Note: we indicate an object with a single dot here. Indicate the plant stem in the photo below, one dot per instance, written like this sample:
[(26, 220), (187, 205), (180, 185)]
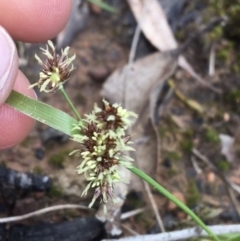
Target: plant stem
[(103, 5), (63, 92), (168, 195)]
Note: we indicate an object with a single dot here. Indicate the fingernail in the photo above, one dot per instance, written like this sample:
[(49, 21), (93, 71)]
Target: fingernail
[(7, 52)]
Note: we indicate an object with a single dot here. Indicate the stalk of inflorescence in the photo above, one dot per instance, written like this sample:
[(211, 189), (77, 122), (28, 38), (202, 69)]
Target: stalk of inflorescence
[(65, 95), (55, 72), (169, 196)]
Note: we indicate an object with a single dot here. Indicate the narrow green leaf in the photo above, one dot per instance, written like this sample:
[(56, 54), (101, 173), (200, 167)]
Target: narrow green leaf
[(169, 196), (230, 237), (42, 112), (236, 237), (104, 6)]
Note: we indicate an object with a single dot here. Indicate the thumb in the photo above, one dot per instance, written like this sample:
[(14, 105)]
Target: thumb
[(8, 64)]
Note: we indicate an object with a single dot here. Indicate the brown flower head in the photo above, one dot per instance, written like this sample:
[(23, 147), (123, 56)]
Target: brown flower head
[(56, 68), (103, 142)]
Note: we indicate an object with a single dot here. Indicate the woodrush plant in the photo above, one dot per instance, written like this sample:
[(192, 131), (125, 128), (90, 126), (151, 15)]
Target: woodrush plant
[(102, 134)]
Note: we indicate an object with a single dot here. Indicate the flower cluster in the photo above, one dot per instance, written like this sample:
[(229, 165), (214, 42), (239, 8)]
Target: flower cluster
[(56, 68), (103, 140), (102, 134)]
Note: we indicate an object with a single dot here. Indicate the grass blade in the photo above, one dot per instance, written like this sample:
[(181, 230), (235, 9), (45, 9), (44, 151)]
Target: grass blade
[(42, 112)]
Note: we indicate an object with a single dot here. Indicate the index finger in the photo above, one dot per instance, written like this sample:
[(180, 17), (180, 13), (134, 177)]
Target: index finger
[(34, 21)]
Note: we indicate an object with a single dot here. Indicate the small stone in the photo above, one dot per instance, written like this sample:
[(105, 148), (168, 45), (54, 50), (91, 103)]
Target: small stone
[(210, 176), (169, 221), (229, 215), (226, 117), (99, 73), (39, 153), (50, 134), (172, 206), (167, 163)]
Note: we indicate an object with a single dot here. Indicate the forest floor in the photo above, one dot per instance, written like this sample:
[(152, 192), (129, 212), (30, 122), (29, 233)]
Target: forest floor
[(199, 129)]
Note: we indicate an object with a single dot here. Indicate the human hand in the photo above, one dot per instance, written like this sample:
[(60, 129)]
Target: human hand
[(29, 21)]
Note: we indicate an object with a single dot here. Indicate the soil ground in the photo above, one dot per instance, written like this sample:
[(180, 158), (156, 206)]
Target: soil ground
[(101, 48)]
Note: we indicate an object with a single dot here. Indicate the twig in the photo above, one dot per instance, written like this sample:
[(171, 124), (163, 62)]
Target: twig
[(182, 63), (131, 58), (189, 102), (196, 166), (234, 187), (129, 230), (128, 215), (134, 43), (42, 211), (132, 213), (59, 207), (211, 69), (154, 206), (183, 234)]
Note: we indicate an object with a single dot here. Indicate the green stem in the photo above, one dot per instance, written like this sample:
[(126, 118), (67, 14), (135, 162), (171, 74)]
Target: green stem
[(63, 92), (168, 195), (103, 5)]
